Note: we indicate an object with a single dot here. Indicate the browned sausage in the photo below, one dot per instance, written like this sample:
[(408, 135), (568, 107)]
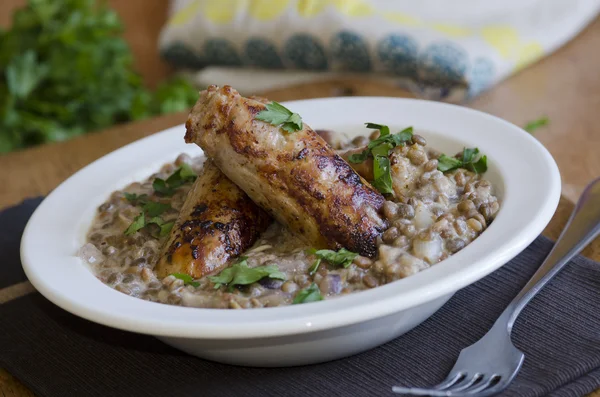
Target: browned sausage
[(217, 222), (296, 177)]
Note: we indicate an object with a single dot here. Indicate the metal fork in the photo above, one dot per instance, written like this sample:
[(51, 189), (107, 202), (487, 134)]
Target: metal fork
[(489, 365)]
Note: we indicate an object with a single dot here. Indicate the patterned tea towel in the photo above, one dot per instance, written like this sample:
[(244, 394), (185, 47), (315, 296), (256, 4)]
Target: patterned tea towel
[(439, 49)]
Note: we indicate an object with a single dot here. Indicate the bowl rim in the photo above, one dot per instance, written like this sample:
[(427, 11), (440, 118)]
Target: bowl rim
[(49, 242)]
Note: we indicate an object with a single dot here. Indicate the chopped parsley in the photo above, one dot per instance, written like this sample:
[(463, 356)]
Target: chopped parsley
[(136, 199), (469, 160), (379, 149), (278, 115), (181, 176), (241, 274), (535, 124), (141, 221), (138, 223), (187, 279), (309, 294), (151, 211), (343, 257), (315, 266)]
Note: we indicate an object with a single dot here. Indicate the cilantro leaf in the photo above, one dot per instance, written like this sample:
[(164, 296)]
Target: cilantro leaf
[(343, 257), (241, 274), (315, 266), (138, 223), (187, 279), (468, 161), (535, 124), (310, 294), (382, 175), (278, 115)]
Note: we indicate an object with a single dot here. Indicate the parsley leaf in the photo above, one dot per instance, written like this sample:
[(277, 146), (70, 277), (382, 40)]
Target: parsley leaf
[(278, 115), (447, 163), (241, 274), (151, 211), (136, 199), (359, 157), (535, 124), (397, 139), (154, 208), (66, 70), (380, 149), (383, 129), (315, 266), (468, 161), (310, 294), (187, 279), (181, 176), (343, 257), (382, 174), (138, 223), (164, 227)]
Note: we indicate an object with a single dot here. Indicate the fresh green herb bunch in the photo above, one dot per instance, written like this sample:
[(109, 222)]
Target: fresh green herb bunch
[(65, 70)]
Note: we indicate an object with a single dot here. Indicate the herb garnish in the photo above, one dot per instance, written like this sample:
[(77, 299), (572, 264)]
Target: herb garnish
[(535, 124), (278, 115), (310, 294), (343, 257), (151, 211), (380, 149), (136, 199), (469, 161), (181, 176), (140, 221), (241, 274), (187, 279)]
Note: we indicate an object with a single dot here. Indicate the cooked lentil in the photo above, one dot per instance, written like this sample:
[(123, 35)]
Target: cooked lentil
[(431, 215)]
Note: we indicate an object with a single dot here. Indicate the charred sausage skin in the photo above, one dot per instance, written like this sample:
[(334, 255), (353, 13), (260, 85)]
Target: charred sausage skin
[(217, 222), (296, 177)]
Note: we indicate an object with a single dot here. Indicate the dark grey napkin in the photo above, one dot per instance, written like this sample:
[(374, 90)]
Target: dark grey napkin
[(57, 354)]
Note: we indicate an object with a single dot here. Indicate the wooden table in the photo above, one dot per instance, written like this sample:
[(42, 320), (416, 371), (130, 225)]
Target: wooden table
[(565, 87)]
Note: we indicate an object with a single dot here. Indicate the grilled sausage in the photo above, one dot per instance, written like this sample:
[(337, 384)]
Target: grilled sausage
[(217, 222), (365, 168), (296, 176)]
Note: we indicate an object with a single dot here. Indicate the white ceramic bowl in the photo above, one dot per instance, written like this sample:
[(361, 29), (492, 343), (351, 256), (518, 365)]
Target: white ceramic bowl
[(524, 174)]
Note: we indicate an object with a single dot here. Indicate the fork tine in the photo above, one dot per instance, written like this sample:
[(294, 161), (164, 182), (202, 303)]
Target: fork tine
[(465, 383), (483, 384), (451, 379), (414, 391)]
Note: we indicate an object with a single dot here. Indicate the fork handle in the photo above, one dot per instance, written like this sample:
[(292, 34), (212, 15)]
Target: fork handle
[(583, 226)]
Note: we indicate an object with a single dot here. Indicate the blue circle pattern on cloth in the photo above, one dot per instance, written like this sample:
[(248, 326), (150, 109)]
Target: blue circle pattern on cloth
[(262, 53), (399, 54), (221, 52), (304, 52), (181, 55), (482, 75), (443, 64), (350, 52)]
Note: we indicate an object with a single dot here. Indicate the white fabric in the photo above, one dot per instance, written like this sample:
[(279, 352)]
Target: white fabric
[(445, 49)]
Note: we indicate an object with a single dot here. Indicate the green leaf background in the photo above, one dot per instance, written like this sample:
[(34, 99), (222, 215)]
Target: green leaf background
[(65, 70)]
